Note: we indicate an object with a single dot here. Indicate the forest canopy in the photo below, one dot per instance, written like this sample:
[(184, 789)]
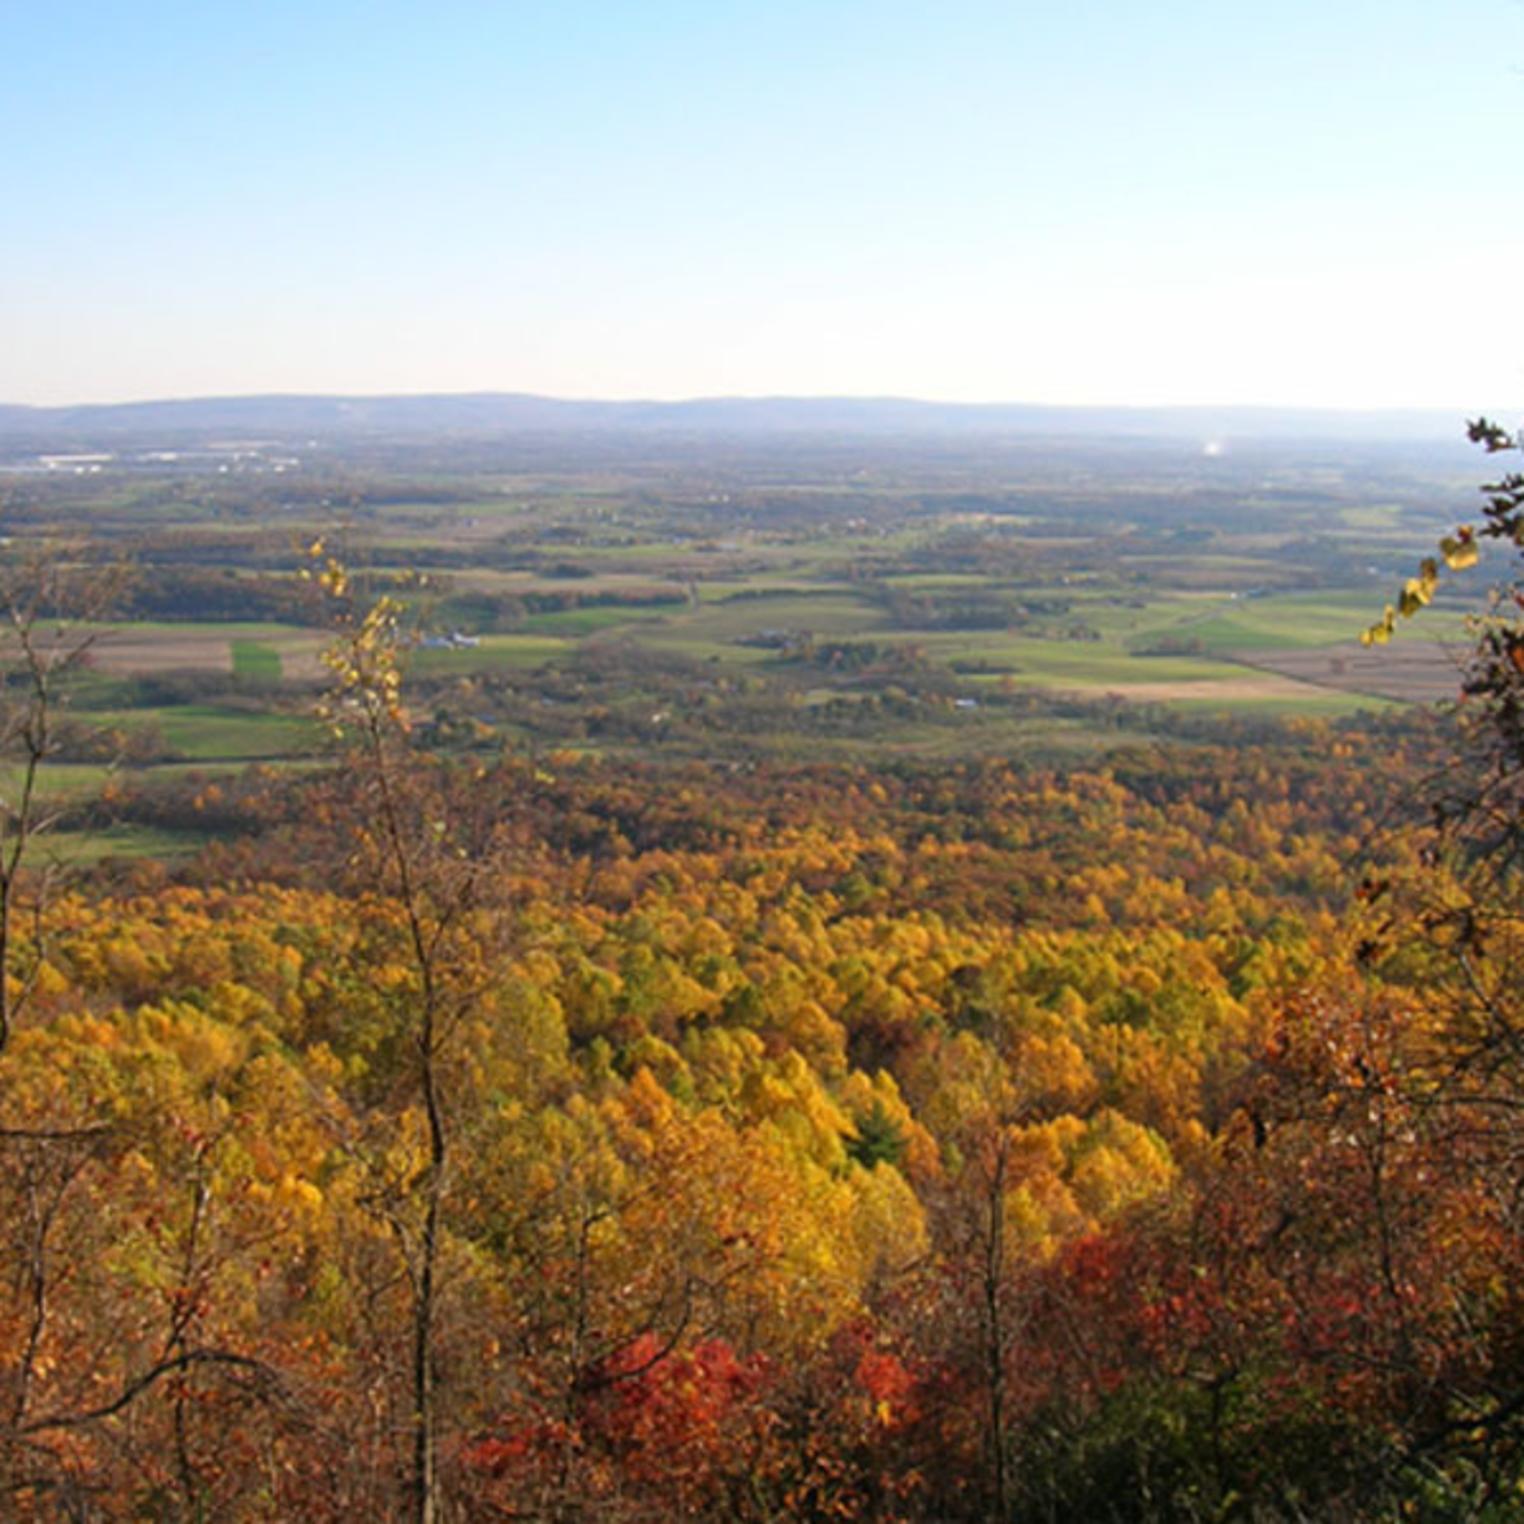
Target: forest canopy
[(470, 1132)]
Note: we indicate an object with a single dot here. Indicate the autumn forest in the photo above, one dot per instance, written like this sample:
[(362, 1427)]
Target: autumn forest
[(826, 1067)]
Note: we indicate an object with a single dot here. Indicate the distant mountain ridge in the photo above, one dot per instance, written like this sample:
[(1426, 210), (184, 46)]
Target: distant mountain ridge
[(496, 413)]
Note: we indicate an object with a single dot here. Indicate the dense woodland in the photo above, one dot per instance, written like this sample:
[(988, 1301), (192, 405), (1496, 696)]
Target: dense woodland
[(477, 1136), (830, 1143)]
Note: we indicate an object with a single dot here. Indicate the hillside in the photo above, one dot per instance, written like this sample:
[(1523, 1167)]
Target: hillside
[(291, 417)]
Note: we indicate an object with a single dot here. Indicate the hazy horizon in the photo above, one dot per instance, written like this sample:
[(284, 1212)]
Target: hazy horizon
[(1467, 408), (977, 202), (741, 400)]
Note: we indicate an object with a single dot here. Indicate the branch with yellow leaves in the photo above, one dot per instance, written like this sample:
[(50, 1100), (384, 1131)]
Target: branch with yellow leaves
[(1502, 519)]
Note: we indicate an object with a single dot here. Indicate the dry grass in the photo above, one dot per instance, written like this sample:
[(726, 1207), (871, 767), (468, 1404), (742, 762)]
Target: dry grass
[(1253, 688), (136, 650), (1414, 670)]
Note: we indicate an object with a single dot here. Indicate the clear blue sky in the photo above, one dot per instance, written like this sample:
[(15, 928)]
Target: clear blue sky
[(1305, 201)]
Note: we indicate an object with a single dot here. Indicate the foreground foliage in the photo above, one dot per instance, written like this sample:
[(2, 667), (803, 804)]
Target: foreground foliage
[(822, 1143)]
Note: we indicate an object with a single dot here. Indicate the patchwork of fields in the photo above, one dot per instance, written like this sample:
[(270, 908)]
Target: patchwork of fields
[(1276, 652), (780, 609)]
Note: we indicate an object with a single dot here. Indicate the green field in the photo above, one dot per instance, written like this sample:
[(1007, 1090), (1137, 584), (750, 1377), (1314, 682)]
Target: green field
[(214, 733), (255, 660), (494, 653), (123, 840), (1305, 619), (571, 623), (738, 617)]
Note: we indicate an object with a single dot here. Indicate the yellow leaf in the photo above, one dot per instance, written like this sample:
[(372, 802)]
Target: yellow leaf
[(1415, 594), (1459, 550), (1380, 633)]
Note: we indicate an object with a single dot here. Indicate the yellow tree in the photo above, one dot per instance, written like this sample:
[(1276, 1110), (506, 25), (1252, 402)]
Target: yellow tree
[(423, 886), (50, 608)]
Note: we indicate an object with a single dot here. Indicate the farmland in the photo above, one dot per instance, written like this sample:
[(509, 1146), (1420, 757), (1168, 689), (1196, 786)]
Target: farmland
[(1032, 600)]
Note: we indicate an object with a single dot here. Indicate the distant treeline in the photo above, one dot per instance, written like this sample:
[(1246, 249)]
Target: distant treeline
[(197, 593)]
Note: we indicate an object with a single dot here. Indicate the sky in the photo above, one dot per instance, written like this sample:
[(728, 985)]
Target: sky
[(1310, 202)]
